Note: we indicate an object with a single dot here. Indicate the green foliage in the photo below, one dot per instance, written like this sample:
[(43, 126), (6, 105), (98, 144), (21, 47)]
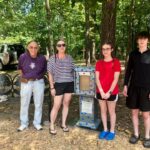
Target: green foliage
[(24, 20), (136, 15)]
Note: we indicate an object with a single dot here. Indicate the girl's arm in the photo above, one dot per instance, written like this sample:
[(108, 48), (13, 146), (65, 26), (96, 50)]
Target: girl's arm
[(113, 85), (115, 81), (99, 84)]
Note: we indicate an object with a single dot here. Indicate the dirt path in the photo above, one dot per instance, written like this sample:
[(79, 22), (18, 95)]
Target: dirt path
[(77, 139)]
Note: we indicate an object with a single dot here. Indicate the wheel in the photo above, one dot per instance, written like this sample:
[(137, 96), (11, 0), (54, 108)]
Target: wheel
[(1, 66)]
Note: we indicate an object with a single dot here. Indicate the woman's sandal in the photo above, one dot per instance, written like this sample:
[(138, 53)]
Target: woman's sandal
[(65, 129), (52, 131)]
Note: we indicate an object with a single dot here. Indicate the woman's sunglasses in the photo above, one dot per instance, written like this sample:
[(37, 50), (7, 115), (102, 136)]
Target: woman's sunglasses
[(61, 45)]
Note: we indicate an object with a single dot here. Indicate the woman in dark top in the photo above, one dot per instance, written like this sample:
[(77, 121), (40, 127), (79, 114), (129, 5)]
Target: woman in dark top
[(137, 87)]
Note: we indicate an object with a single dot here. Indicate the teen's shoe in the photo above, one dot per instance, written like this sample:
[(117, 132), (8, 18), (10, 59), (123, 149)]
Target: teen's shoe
[(110, 136), (21, 128), (134, 139), (146, 143), (103, 134), (38, 127)]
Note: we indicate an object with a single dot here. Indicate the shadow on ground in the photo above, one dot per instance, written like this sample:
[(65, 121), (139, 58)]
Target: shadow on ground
[(77, 139)]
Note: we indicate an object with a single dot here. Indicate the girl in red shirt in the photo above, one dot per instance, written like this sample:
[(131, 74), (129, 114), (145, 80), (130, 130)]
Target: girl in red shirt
[(107, 75)]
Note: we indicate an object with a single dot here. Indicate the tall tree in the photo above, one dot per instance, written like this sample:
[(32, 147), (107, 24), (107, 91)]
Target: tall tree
[(108, 25), (48, 17), (130, 26), (88, 42)]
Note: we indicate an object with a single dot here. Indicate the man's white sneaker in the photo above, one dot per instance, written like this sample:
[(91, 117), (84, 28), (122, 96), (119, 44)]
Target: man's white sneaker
[(21, 128), (38, 127)]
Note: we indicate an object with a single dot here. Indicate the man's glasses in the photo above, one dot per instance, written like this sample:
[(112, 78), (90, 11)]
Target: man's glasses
[(32, 47), (61, 45)]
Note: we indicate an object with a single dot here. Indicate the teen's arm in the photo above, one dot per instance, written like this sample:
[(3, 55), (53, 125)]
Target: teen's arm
[(128, 71), (99, 84), (113, 85), (115, 81), (128, 74)]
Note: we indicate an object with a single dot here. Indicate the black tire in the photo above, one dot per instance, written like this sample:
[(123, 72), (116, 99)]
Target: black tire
[(1, 66)]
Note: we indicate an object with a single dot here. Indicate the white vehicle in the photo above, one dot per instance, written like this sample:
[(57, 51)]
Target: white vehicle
[(9, 54)]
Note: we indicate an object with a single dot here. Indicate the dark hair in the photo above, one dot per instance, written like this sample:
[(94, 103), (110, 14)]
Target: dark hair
[(55, 50), (60, 39), (108, 43), (55, 44), (143, 34)]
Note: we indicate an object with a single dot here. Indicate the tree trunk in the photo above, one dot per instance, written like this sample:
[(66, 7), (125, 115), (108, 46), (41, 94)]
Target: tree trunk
[(32, 3), (131, 33), (108, 25), (87, 34), (93, 51), (48, 16)]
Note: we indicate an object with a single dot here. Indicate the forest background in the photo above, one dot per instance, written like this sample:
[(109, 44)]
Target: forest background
[(85, 24)]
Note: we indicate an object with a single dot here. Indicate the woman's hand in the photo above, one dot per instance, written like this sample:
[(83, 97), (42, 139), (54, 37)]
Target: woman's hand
[(53, 92), (102, 94), (149, 96), (125, 91), (107, 95)]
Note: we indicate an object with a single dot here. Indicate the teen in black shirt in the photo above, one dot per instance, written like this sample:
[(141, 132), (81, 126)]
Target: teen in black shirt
[(137, 87)]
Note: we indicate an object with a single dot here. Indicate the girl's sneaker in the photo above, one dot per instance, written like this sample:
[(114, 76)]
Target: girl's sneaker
[(103, 134), (110, 136)]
